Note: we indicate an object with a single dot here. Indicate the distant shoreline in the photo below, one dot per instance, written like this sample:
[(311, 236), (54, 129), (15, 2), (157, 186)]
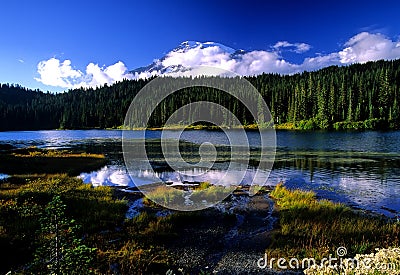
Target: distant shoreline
[(299, 126)]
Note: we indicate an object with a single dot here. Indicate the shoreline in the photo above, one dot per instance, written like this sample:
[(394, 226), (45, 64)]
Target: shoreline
[(210, 128)]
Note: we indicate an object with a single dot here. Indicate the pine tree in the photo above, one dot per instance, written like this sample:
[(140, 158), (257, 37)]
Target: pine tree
[(60, 251), (384, 91), (350, 106)]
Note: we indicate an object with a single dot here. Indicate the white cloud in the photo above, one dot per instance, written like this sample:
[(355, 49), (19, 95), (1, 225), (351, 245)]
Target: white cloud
[(365, 47), (146, 74), (248, 63), (198, 56), (258, 62), (360, 48), (302, 47), (117, 72), (53, 72), (293, 47), (320, 61)]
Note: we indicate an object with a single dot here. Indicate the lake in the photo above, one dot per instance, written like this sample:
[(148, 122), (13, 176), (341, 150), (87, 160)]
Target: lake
[(361, 169)]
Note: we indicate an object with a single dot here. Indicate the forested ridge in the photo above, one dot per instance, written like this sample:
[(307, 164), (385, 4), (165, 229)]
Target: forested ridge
[(359, 96)]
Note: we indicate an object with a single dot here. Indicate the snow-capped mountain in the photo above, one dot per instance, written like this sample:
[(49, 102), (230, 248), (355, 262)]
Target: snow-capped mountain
[(188, 54), (184, 46)]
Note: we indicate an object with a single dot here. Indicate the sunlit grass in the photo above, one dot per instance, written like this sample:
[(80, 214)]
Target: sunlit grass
[(37, 152), (33, 160), (164, 195), (92, 206), (133, 258), (211, 193), (22, 204), (285, 126), (309, 227), (203, 185)]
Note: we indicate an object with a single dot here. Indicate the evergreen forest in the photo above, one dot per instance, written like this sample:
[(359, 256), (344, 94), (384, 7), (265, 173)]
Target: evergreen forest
[(359, 96)]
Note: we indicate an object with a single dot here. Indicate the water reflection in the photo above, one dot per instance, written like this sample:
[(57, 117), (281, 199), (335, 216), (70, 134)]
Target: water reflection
[(3, 176), (358, 168), (116, 175), (360, 189), (108, 176), (368, 141)]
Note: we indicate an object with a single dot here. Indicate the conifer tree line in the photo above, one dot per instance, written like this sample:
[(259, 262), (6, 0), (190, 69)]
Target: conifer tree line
[(359, 96)]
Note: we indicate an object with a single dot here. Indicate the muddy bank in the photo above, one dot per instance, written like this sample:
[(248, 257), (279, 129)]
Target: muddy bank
[(227, 248), (227, 238)]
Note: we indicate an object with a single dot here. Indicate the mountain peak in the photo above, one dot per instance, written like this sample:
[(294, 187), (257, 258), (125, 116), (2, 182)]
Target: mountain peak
[(163, 65), (190, 44)]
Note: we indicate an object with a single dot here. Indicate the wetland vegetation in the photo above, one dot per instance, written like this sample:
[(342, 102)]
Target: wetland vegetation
[(101, 239)]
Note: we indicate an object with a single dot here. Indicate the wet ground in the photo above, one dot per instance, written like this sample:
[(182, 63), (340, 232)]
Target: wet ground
[(228, 238)]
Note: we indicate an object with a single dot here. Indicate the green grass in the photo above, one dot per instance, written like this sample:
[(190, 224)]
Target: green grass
[(33, 160), (131, 245), (323, 124), (22, 204), (163, 195), (285, 126), (309, 227), (211, 193), (253, 126), (203, 185), (170, 197)]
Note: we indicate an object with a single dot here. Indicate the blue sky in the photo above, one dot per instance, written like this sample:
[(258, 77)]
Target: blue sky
[(134, 33)]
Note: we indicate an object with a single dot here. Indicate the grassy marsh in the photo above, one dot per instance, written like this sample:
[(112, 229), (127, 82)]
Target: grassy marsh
[(164, 195), (22, 204), (34, 160), (309, 227)]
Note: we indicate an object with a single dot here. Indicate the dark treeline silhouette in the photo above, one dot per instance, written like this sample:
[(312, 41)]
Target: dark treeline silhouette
[(359, 96)]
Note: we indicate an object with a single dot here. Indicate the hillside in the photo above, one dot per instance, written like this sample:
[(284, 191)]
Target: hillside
[(359, 96)]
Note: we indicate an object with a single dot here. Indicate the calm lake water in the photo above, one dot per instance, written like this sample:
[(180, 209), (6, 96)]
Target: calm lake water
[(361, 169)]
